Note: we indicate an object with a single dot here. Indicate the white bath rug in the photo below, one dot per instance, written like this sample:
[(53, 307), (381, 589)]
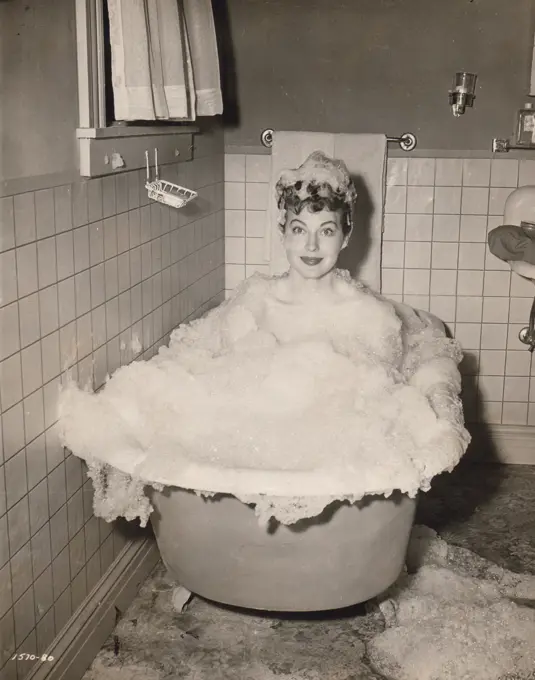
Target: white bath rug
[(455, 616)]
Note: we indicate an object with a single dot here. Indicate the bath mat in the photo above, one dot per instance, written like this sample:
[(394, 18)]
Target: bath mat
[(453, 615)]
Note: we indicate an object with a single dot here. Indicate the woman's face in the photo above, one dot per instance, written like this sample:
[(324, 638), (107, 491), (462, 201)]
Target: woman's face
[(313, 241)]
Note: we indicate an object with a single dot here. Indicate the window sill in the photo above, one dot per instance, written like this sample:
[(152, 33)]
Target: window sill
[(121, 131), (108, 151)]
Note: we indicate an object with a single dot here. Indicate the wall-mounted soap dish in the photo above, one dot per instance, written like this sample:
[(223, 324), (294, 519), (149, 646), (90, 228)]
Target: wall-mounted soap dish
[(166, 192)]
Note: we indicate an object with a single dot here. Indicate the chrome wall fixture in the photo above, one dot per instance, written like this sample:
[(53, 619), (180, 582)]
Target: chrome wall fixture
[(407, 141), (463, 92), (504, 145), (524, 137), (527, 334)]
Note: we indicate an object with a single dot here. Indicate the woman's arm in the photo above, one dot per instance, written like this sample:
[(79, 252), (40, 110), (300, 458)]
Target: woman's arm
[(430, 362), (430, 358)]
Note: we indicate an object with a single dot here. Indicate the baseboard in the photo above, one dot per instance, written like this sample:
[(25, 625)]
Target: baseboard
[(507, 444), (78, 643)]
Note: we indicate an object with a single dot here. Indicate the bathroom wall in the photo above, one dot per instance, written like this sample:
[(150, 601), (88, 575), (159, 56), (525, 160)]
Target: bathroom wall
[(438, 213), (39, 104), (375, 66), (92, 276)]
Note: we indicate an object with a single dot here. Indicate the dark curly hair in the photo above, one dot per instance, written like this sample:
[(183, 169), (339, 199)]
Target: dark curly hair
[(320, 196)]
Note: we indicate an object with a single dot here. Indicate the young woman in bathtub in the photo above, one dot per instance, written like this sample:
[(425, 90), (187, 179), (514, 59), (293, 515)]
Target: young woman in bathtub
[(316, 203), (310, 370)]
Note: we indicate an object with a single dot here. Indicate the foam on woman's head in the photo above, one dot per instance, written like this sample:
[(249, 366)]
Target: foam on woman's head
[(319, 182)]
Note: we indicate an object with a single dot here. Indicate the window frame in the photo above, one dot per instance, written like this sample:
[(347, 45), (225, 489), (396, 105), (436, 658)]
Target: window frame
[(94, 136), (90, 48)]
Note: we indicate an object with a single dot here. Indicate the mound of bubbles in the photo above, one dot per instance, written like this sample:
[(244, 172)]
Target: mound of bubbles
[(286, 406), (454, 615)]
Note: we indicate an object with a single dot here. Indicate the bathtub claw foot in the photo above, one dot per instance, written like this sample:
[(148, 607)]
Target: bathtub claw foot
[(180, 598)]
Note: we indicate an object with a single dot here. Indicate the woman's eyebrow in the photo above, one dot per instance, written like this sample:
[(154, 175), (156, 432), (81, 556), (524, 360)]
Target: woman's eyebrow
[(323, 224)]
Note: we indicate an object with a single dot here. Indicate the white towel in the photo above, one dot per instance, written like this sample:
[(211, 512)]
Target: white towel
[(365, 157)]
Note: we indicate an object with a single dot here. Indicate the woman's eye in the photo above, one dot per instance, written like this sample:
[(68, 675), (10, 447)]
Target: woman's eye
[(328, 231), (297, 230)]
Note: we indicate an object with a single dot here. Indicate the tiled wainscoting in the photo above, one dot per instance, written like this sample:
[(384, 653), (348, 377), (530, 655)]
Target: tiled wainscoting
[(92, 276), (438, 213)]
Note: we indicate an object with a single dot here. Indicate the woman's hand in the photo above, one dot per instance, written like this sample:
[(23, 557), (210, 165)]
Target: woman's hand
[(445, 402), (437, 374)]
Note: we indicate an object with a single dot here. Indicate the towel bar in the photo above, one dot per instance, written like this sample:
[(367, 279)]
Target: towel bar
[(407, 140)]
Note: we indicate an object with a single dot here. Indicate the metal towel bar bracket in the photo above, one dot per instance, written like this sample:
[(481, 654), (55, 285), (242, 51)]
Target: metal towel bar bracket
[(407, 141)]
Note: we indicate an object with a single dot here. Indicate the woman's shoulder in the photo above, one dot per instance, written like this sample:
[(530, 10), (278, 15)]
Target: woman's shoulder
[(351, 287), (250, 291), (257, 282), (373, 306), (250, 294)]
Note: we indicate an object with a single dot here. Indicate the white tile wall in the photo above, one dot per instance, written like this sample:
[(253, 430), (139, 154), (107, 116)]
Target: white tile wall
[(86, 268), (438, 214)]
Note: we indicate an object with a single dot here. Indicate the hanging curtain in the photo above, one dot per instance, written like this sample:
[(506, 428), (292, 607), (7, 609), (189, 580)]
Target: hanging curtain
[(164, 59)]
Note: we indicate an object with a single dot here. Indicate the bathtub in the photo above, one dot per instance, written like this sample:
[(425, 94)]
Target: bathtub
[(216, 548)]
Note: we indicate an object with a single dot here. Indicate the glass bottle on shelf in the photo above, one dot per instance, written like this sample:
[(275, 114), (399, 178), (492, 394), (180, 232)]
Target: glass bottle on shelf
[(525, 131)]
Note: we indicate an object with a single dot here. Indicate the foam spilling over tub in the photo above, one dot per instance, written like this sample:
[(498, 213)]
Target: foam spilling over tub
[(287, 406)]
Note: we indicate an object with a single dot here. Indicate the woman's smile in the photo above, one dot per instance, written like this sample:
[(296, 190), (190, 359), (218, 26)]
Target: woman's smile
[(311, 261)]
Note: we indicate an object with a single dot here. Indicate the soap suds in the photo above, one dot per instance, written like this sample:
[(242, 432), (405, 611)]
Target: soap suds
[(136, 345), (455, 616), (287, 406)]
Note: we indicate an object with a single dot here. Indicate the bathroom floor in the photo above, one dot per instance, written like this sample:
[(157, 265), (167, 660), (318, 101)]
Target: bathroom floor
[(486, 508)]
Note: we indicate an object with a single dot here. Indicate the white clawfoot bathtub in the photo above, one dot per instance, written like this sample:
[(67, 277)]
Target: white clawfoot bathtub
[(216, 548)]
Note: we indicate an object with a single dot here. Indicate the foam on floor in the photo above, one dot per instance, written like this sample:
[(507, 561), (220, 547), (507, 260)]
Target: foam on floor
[(455, 616), (277, 400)]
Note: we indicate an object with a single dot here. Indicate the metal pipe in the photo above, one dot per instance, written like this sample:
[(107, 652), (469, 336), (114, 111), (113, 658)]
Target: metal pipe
[(527, 334), (504, 145), (407, 140)]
